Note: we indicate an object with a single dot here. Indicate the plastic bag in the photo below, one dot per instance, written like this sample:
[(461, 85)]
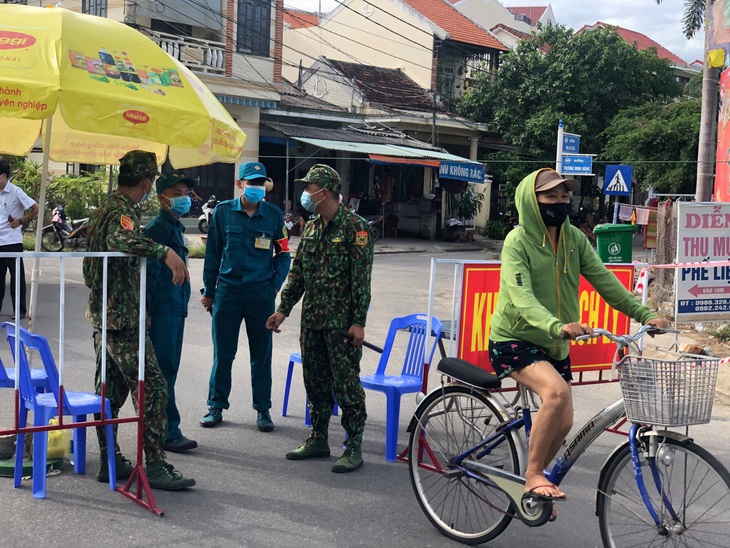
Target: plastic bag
[(59, 441)]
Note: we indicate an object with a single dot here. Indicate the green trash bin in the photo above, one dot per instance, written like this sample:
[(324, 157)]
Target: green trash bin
[(614, 242)]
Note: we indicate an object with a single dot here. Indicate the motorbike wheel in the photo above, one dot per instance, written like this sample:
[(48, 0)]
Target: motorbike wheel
[(203, 226), (375, 231), (50, 240)]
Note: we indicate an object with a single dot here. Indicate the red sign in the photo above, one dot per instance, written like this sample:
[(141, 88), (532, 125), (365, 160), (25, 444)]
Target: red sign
[(480, 289), (136, 116), (722, 170), (15, 40)]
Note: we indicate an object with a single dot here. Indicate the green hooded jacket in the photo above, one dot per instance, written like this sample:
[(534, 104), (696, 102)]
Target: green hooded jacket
[(538, 291)]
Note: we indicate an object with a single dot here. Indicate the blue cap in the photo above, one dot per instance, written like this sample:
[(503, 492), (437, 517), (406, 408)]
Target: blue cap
[(251, 170)]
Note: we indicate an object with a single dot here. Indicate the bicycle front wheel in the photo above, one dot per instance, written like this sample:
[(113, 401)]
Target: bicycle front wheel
[(449, 422), (692, 483)]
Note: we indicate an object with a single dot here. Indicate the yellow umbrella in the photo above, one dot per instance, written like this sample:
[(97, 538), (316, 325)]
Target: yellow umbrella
[(107, 89), (94, 89)]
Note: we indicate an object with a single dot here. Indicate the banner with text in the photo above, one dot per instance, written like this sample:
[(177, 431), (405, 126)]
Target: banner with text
[(703, 234), (480, 289)]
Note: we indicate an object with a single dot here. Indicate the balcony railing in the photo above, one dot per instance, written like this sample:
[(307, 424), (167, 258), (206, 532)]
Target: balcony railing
[(199, 55)]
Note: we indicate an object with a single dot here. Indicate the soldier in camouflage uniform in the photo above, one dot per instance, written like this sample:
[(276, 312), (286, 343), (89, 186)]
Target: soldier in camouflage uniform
[(115, 227), (332, 270)]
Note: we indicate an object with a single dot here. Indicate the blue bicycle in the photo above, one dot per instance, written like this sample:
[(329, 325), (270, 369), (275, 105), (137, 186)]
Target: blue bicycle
[(659, 488)]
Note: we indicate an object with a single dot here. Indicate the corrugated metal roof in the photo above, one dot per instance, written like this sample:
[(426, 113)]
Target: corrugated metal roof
[(367, 136), (383, 150)]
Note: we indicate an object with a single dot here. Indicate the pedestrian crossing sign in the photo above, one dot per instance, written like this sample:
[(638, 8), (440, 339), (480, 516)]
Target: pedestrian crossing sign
[(617, 181)]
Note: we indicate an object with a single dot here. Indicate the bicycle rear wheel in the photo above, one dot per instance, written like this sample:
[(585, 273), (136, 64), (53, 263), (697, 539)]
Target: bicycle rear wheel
[(693, 482), (449, 422)]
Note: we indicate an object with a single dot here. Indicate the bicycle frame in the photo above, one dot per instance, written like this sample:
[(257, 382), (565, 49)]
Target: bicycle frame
[(534, 514)]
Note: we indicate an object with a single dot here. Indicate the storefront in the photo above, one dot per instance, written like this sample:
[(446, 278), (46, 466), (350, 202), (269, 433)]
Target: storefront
[(383, 176)]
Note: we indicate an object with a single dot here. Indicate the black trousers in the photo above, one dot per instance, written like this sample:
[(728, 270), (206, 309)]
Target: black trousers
[(6, 264)]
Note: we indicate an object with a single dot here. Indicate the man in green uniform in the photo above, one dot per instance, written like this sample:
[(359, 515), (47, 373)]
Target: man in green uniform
[(167, 303), (332, 270), (115, 227), (246, 262)]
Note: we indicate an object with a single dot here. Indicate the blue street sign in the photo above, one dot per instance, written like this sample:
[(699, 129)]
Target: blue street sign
[(462, 171), (618, 180), (571, 143), (577, 164)]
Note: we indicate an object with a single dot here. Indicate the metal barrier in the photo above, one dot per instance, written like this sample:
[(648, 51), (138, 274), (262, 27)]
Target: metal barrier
[(136, 487)]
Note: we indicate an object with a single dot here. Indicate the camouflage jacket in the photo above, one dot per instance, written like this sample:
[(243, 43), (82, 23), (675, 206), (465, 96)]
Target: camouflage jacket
[(115, 227), (332, 270)]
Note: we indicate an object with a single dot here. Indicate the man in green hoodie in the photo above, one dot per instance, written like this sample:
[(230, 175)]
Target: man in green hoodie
[(542, 261)]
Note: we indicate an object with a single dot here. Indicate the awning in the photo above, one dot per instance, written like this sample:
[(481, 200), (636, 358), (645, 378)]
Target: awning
[(378, 159), (384, 150)]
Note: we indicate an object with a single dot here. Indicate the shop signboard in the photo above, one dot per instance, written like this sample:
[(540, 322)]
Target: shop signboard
[(462, 171), (703, 234)]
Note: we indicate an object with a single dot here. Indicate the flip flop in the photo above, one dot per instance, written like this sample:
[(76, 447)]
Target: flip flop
[(545, 497)]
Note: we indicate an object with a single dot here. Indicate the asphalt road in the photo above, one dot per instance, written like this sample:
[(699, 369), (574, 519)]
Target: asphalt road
[(247, 494)]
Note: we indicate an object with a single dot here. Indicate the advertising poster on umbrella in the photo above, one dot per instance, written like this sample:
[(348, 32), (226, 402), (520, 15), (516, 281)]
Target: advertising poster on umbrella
[(703, 234)]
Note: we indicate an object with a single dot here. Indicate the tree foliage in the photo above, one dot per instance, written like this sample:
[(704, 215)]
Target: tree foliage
[(694, 16), (583, 79), (660, 141)]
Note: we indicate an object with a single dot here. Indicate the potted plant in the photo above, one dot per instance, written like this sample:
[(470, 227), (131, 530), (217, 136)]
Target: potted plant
[(468, 204)]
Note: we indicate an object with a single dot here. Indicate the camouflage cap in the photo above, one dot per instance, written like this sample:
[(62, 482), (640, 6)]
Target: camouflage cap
[(323, 176), (143, 164)]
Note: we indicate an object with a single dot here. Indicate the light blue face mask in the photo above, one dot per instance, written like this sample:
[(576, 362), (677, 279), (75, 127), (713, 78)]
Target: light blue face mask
[(180, 205), (145, 196), (307, 203), (254, 194)]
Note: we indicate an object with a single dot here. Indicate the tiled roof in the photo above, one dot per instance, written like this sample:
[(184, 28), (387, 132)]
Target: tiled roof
[(459, 27), (514, 32), (642, 42), (298, 19), (386, 87), (291, 97), (533, 13)]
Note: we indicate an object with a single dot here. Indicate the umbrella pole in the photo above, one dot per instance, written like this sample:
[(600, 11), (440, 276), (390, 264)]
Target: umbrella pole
[(36, 273)]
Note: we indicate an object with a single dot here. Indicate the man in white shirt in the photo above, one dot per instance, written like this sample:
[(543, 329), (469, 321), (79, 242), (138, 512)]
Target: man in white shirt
[(16, 209)]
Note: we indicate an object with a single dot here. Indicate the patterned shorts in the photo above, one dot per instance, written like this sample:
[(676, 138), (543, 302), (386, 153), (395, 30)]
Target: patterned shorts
[(512, 356)]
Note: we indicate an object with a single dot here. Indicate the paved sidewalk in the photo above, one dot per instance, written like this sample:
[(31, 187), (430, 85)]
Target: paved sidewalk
[(408, 245)]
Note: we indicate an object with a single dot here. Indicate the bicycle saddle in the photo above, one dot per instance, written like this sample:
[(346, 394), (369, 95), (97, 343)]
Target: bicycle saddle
[(468, 373)]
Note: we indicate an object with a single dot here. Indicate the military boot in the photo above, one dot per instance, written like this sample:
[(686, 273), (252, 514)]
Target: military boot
[(124, 468), (312, 448), (350, 460), (162, 475)]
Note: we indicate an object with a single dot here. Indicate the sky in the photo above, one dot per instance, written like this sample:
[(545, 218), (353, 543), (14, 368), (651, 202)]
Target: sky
[(662, 23)]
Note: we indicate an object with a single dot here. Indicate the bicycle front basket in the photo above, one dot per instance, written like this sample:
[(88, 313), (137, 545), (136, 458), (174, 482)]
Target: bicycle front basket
[(668, 393)]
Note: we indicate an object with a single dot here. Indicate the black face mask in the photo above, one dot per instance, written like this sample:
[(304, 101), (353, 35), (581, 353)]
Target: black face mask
[(554, 214)]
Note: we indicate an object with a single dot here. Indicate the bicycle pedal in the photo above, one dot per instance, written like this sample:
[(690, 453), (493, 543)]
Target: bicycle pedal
[(453, 473)]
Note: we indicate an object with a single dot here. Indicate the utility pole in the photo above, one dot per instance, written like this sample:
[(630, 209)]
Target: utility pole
[(433, 120), (708, 127)]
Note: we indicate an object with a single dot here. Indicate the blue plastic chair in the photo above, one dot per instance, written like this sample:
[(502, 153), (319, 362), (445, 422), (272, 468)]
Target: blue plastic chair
[(38, 378), (411, 377), (45, 406), (296, 357)]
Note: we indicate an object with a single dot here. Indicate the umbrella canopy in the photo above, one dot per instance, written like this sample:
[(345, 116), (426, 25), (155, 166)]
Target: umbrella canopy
[(94, 89), (108, 89)]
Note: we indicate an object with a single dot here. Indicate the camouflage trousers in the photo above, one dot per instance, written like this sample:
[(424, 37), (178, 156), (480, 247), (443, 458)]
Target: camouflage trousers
[(331, 370), (121, 380)]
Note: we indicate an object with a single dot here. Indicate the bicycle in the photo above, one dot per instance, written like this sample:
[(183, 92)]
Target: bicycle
[(657, 488)]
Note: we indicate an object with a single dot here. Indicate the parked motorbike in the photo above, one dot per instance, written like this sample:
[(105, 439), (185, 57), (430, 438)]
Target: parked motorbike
[(204, 219), (63, 232), (375, 222), (294, 224)]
